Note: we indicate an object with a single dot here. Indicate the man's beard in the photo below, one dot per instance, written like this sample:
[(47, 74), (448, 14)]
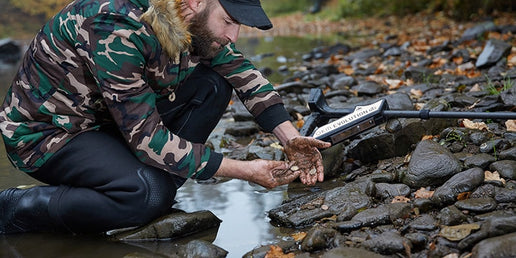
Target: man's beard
[(203, 38)]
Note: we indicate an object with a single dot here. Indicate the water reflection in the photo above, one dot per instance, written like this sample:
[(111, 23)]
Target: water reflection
[(241, 207)]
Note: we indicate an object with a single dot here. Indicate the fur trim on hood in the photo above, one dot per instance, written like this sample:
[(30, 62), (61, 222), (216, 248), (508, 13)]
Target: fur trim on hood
[(166, 20)]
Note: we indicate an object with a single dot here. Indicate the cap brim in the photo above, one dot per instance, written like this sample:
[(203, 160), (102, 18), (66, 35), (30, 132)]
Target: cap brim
[(250, 15)]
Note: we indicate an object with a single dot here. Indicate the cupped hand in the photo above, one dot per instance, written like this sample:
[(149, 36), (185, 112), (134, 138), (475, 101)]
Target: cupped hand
[(269, 173), (303, 153)]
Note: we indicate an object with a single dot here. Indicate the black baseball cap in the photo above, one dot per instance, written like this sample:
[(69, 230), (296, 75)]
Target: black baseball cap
[(247, 12)]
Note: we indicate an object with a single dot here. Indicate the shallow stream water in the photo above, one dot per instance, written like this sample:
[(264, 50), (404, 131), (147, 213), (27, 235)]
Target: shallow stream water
[(242, 207)]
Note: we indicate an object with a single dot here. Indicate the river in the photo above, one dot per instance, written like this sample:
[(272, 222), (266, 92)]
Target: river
[(242, 207)]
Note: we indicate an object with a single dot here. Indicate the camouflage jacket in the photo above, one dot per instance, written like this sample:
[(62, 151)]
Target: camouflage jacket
[(98, 62)]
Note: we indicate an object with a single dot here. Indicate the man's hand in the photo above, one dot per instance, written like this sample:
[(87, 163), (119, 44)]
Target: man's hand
[(270, 174), (305, 157), (267, 173)]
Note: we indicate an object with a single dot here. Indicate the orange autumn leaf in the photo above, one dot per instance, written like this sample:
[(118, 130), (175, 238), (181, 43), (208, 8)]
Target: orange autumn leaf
[(428, 137), (458, 60), (463, 196), (300, 123), (299, 236), (422, 193), (277, 252)]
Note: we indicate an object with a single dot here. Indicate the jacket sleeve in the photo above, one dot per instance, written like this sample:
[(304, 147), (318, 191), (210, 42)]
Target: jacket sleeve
[(118, 48), (253, 89)]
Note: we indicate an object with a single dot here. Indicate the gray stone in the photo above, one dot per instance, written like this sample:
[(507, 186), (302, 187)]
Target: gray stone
[(431, 164), (174, 225), (387, 243), (506, 168), (481, 160), (493, 51), (501, 246), (459, 183), (478, 30), (477, 204)]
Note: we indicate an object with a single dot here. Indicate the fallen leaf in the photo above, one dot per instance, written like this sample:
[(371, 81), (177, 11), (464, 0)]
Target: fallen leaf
[(427, 137), (423, 193), (463, 196), (511, 125), (277, 252), (493, 176), (299, 236), (474, 125), (393, 83), (416, 93), (459, 232), (400, 199)]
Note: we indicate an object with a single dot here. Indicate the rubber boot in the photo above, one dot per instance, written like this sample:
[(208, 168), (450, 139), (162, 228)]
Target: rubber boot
[(26, 210)]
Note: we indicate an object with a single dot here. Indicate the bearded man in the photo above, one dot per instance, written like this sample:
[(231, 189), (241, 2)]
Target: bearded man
[(112, 106)]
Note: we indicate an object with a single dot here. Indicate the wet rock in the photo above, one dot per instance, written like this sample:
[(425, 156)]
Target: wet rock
[(201, 249), (383, 214), (385, 191), (501, 246), (305, 210), (494, 145), (363, 54), (505, 195), (480, 160), (509, 96), (318, 238), (430, 164), (387, 243), (262, 251), (399, 101), (425, 222), (462, 182), (10, 51), (418, 240), (495, 226), (344, 81), (493, 51), (477, 31), (368, 88), (506, 168), (350, 252), (393, 51), (477, 204), (174, 225), (451, 216), (246, 128), (380, 145)]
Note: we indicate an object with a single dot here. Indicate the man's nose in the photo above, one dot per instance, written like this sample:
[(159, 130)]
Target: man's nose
[(232, 32)]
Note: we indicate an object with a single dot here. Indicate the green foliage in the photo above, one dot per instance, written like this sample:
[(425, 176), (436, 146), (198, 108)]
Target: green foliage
[(282, 7), (48, 8)]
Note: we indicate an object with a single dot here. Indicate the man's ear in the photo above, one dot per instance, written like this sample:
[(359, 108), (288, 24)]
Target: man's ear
[(196, 5)]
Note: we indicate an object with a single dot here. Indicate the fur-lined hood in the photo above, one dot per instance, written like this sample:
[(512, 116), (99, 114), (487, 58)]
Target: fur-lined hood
[(166, 20)]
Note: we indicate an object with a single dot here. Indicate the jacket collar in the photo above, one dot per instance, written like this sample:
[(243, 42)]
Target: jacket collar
[(164, 16)]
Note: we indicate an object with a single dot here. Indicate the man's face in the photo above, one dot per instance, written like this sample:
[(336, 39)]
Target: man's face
[(211, 29)]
